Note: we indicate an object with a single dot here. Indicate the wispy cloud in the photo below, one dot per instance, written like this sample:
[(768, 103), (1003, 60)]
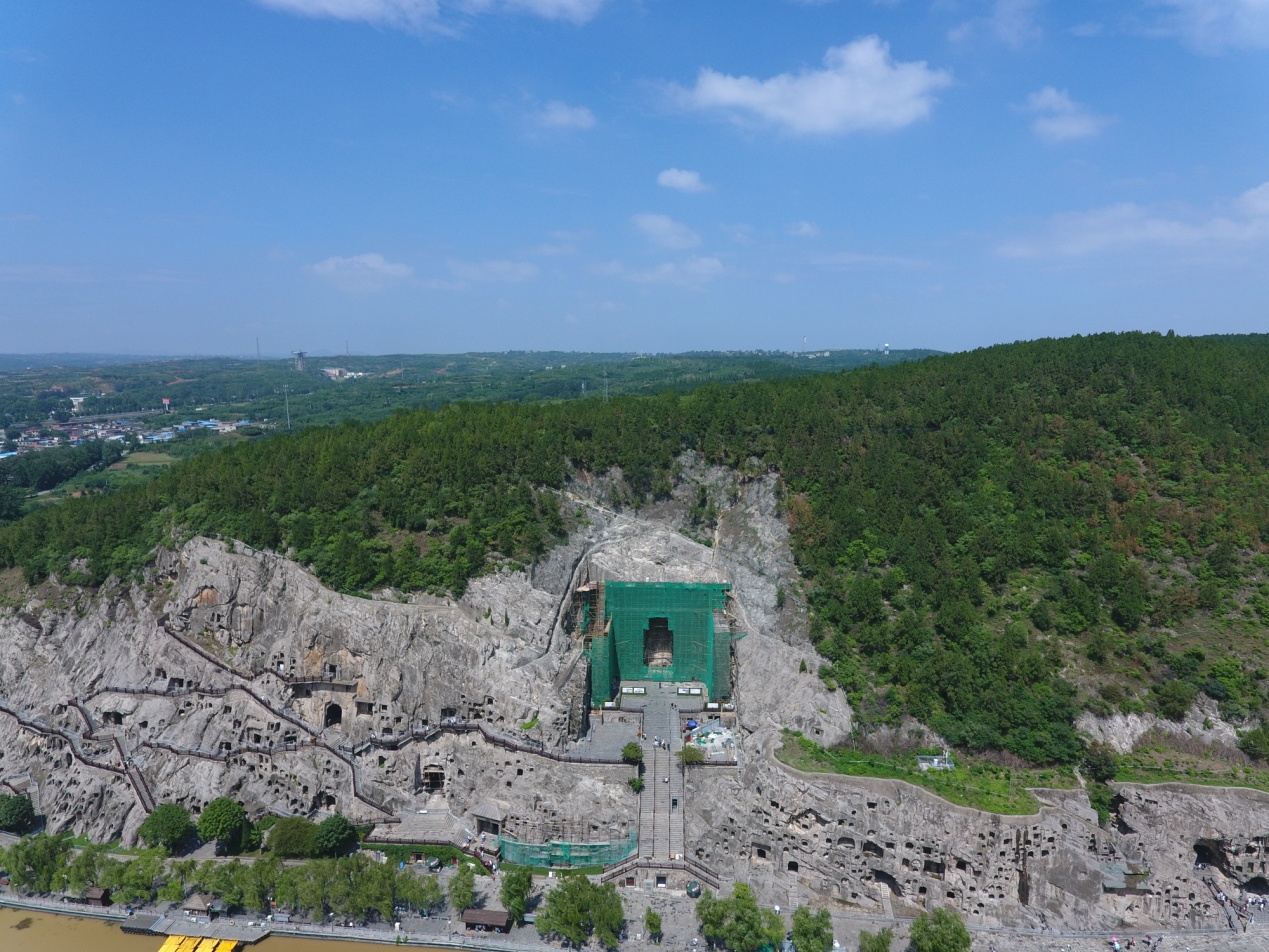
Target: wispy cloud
[(1011, 22), (77, 274), (574, 11), (560, 115), (682, 180), (411, 15), (500, 271), (664, 231), (857, 261), (364, 272), (416, 16), (1213, 25), (1128, 225), (1058, 118), (861, 88), (21, 55), (691, 272), (802, 229)]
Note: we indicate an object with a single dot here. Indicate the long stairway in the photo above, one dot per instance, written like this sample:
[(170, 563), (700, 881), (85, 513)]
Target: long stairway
[(661, 802)]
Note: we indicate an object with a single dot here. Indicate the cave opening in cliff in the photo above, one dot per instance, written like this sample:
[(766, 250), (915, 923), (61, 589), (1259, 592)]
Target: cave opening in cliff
[(658, 643), (1211, 853), (334, 715), (881, 876), (433, 780), (1258, 885)]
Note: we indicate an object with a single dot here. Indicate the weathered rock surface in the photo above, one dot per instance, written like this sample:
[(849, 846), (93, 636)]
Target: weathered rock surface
[(236, 672)]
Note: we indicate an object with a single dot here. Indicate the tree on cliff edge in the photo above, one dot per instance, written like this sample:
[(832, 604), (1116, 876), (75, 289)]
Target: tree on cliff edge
[(168, 826), (225, 820)]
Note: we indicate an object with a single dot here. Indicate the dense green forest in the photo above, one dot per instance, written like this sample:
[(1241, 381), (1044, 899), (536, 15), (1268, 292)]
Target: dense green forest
[(990, 541)]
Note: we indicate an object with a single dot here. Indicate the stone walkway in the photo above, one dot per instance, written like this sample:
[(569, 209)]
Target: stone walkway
[(661, 803)]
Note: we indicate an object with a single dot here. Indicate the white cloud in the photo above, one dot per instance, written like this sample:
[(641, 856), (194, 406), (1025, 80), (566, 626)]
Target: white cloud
[(693, 271), (664, 231), (575, 11), (399, 14), (682, 180), (1012, 22), (366, 272), (495, 271), (803, 229), (1213, 25), (419, 15), (1127, 225), (1058, 118), (560, 115), (1255, 201), (860, 88)]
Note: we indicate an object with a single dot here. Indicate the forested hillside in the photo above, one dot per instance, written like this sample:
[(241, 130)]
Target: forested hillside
[(991, 541)]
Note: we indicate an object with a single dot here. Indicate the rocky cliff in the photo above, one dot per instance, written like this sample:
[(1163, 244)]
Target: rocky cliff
[(231, 671)]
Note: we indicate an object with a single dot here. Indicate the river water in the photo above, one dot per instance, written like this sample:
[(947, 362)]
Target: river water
[(46, 932)]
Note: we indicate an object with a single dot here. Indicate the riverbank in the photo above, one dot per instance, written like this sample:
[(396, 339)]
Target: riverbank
[(420, 933), (54, 926)]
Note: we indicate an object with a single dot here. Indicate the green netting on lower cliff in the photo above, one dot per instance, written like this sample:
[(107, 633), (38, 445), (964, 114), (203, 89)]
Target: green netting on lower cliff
[(558, 853)]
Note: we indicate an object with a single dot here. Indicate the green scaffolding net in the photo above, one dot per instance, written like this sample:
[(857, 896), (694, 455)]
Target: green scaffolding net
[(559, 853), (660, 631)]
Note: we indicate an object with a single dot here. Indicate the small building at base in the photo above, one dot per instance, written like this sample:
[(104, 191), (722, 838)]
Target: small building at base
[(487, 920)]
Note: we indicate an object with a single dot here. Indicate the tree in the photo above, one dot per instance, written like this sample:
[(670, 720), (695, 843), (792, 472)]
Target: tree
[(421, 892), (84, 869), (1255, 742), (812, 931), (462, 887), (711, 913), (737, 922), (335, 836), (167, 827), (636, 784), (652, 924), (225, 820), (517, 883), (1173, 699), (607, 914), (293, 837), (690, 755), (16, 814), (36, 862), (1100, 762), (940, 931), (577, 909), (632, 753), (875, 943)]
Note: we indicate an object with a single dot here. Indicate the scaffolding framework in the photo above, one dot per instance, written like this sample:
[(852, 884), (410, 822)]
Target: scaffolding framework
[(658, 631), (561, 853)]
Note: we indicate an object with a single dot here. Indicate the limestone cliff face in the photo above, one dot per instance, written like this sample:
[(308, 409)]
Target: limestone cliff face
[(887, 848), (234, 672)]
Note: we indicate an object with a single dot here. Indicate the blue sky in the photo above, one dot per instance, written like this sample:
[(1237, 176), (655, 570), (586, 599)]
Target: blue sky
[(655, 175)]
